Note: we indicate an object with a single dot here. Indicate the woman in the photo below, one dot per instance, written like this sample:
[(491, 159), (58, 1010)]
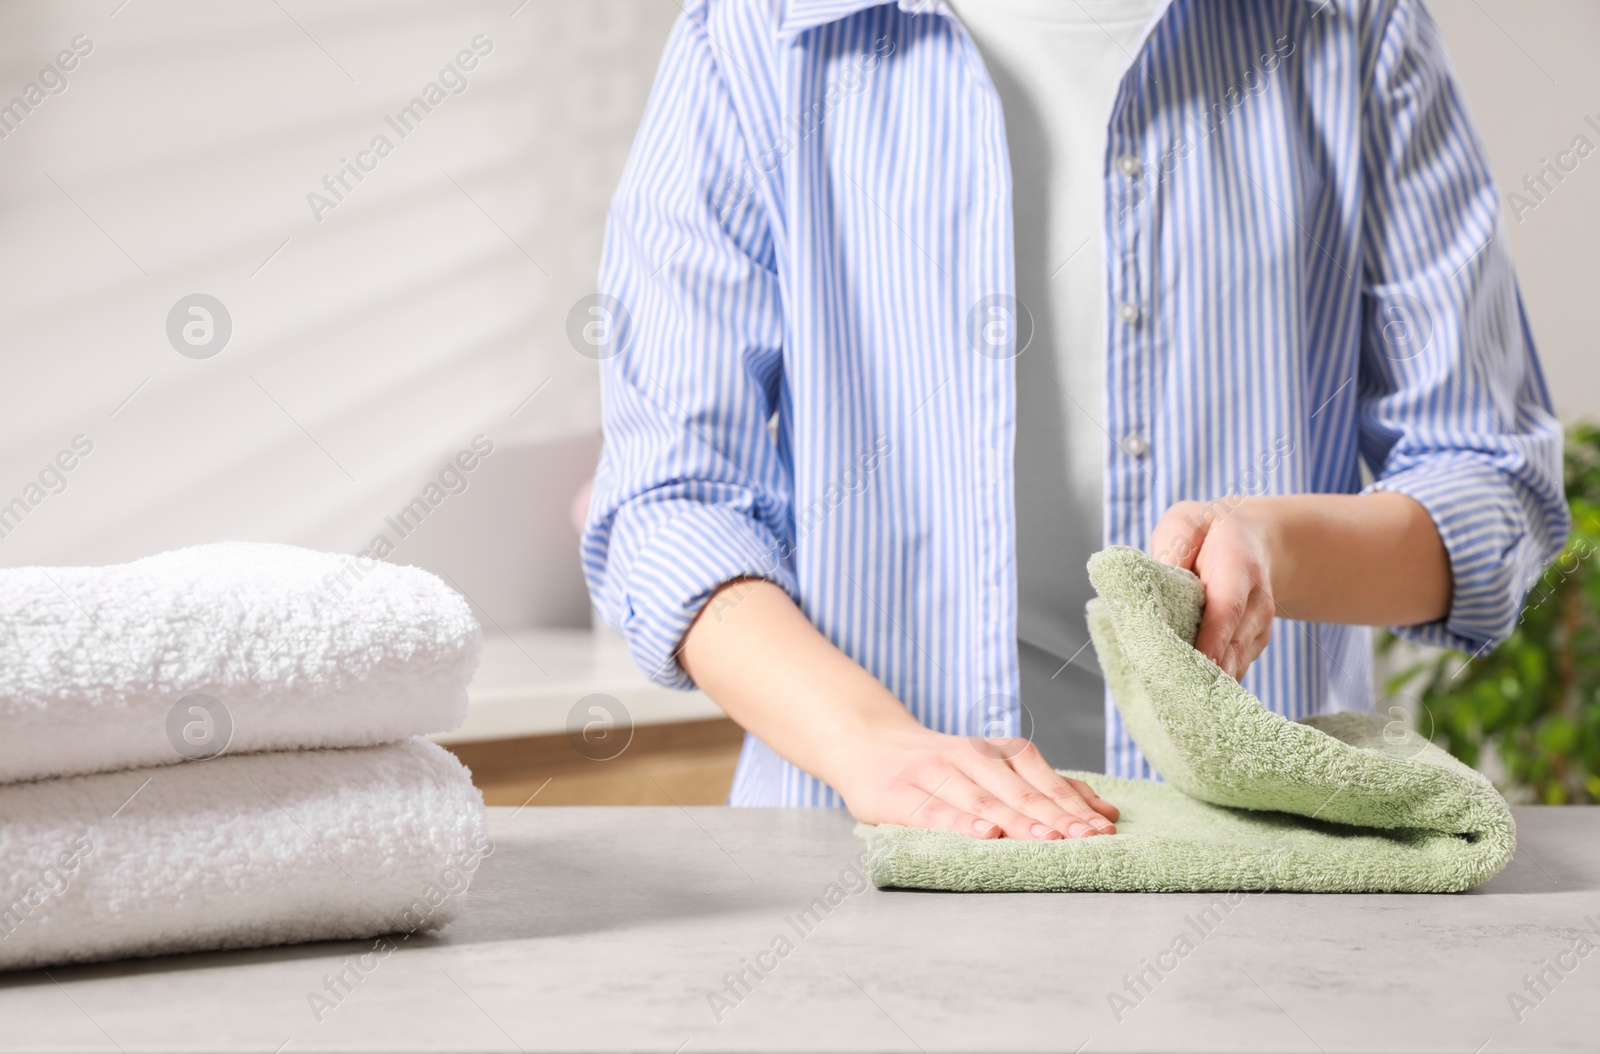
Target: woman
[(915, 305)]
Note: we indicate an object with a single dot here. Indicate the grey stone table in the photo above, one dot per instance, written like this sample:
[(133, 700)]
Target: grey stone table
[(623, 929)]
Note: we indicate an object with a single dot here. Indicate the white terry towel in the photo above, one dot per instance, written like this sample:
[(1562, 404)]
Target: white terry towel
[(236, 852), (286, 648)]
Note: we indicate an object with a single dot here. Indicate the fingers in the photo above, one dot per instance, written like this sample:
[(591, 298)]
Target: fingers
[(995, 800), (1070, 816), (1099, 804), (1227, 599), (1236, 624), (928, 810), (1230, 554), (1071, 795), (957, 804), (1255, 631), (971, 797)]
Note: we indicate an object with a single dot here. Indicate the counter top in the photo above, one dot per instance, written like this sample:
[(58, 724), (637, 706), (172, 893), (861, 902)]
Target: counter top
[(619, 929)]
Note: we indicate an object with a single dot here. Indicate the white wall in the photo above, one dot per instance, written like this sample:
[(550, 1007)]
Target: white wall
[(421, 311), (429, 305), (1530, 74)]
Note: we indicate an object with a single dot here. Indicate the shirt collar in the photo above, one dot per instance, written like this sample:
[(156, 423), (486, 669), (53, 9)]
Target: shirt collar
[(800, 15)]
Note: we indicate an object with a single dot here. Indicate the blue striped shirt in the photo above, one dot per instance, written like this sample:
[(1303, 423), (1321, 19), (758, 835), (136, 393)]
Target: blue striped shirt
[(808, 374)]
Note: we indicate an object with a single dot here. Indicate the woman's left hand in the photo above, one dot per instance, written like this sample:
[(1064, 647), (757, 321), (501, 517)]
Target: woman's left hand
[(1228, 546)]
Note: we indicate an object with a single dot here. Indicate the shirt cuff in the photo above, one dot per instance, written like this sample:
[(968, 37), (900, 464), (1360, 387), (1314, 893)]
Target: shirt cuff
[(1493, 558), (678, 569)]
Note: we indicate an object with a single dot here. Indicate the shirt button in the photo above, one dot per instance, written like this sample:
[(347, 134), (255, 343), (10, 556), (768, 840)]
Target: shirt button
[(1135, 445), (1129, 313), (1128, 164)]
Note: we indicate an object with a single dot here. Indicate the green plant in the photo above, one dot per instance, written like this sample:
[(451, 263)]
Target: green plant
[(1535, 700)]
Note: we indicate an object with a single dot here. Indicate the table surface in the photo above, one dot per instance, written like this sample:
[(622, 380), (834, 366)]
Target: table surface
[(615, 928)]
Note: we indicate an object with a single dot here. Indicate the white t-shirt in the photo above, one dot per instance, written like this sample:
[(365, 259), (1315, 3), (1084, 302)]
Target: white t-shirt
[(1057, 65)]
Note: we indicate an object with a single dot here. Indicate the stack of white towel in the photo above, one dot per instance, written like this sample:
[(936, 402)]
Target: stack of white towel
[(218, 748)]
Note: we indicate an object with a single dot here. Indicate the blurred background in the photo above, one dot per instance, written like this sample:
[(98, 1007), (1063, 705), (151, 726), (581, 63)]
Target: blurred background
[(260, 325)]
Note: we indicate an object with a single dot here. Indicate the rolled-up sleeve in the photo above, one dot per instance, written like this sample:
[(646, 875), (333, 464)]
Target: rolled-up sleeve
[(1454, 409), (690, 492)]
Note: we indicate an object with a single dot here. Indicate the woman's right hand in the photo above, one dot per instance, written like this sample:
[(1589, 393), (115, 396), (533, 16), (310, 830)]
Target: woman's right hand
[(985, 788), (754, 652)]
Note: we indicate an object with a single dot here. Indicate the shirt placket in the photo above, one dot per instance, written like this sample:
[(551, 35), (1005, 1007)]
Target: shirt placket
[(1130, 418), (994, 411)]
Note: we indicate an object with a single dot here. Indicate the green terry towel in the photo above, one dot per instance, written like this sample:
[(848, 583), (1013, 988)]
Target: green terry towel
[(1338, 803)]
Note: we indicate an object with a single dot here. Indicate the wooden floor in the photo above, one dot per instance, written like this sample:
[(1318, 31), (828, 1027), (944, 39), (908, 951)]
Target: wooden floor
[(684, 764)]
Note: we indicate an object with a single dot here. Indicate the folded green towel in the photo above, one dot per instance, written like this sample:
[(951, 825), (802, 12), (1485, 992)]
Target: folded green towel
[(1347, 802)]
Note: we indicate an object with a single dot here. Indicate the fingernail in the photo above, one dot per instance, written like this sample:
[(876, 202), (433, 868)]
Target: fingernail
[(1040, 830), (982, 826), (1099, 824), (1079, 830)]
